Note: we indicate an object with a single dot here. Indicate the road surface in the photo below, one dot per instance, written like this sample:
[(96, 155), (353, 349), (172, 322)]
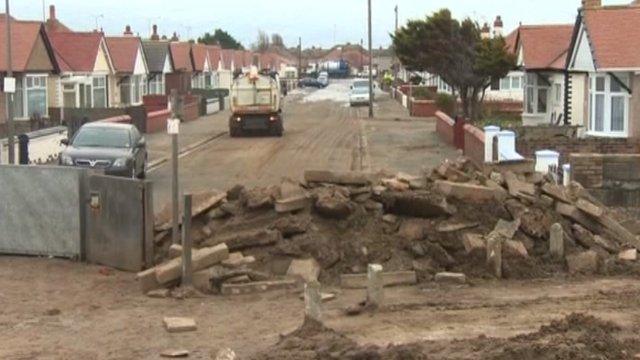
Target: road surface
[(321, 132)]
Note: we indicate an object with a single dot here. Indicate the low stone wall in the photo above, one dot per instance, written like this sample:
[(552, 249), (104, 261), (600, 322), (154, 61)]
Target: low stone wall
[(157, 121), (444, 127), (565, 146), (474, 144), (612, 178)]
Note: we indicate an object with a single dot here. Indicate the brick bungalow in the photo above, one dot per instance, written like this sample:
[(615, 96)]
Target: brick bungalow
[(542, 53), (85, 69), (129, 83), (180, 79), (159, 61), (225, 74), (32, 61), (215, 58), (202, 69), (605, 57)]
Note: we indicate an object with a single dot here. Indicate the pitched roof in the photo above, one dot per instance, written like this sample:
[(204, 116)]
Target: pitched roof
[(215, 53), (181, 56), (238, 59), (123, 51), (545, 46), (76, 51), (614, 35), (199, 53), (156, 54), (24, 37), (511, 40), (227, 58)]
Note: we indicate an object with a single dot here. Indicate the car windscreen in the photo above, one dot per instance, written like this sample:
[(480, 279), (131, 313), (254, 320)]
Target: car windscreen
[(361, 84), (102, 137), (360, 90)]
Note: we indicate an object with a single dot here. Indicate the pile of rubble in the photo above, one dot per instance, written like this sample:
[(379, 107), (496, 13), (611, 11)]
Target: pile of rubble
[(452, 223)]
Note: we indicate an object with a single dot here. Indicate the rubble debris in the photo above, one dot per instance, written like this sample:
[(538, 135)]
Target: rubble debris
[(465, 192), (515, 248), (589, 208), (179, 324), (628, 255), (395, 185), (201, 259), (450, 278), (453, 227), (334, 203), (292, 225), (259, 198), (174, 354), (517, 187), (202, 202), (340, 178), (246, 239), (417, 204), (225, 354), (474, 243), (395, 278), (308, 270), (236, 260), (159, 293), (506, 228), (412, 229), (583, 263), (175, 251), (234, 193)]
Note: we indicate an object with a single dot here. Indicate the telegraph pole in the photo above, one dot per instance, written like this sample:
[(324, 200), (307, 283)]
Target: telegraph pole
[(370, 67), (299, 57), (361, 54), (10, 126), (396, 63)]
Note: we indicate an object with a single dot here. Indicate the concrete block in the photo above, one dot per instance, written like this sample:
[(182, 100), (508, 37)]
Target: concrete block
[(201, 259), (628, 255), (257, 287), (465, 192), (375, 285), (238, 260), (336, 177), (451, 278), (313, 300), (556, 241), (291, 204), (515, 248), (396, 278), (507, 229), (584, 262), (447, 228), (247, 239), (494, 253), (516, 186), (473, 243), (147, 280), (589, 208), (175, 251), (179, 324), (202, 280), (308, 270)]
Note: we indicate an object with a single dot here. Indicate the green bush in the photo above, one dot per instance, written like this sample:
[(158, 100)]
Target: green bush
[(422, 93), (446, 103)]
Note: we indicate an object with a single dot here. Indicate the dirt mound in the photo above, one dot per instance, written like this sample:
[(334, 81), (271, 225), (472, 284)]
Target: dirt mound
[(576, 336)]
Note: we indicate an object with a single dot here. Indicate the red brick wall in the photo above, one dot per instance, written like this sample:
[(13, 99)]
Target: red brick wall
[(474, 144), (123, 119), (565, 146), (157, 121), (191, 109), (423, 108), (444, 127), (155, 102), (613, 178)]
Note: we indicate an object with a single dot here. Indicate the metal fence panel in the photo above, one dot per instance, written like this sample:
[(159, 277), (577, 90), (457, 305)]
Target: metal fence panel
[(40, 210), (116, 228)]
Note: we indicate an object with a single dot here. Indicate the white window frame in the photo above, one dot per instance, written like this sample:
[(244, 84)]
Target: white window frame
[(535, 88), (95, 87), (25, 93), (608, 96), (156, 85)]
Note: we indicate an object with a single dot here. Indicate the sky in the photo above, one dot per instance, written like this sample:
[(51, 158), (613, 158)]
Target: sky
[(318, 23)]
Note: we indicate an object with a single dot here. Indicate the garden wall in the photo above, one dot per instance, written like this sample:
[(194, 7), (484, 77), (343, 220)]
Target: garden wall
[(474, 144), (612, 178), (565, 146), (444, 127)]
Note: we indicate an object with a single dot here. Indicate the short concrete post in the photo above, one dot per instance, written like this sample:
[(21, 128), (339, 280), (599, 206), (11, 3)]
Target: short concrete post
[(494, 254), (313, 300), (566, 174), (187, 243), (375, 286), (490, 132), (556, 241)]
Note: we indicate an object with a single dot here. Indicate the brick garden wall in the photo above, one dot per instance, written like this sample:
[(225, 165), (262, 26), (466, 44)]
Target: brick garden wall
[(444, 127), (474, 144), (157, 121), (565, 146), (613, 178)]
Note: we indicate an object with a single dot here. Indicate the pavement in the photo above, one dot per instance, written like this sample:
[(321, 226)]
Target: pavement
[(321, 132)]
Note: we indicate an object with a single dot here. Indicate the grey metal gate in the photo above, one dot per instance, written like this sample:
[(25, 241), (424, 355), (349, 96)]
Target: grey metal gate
[(119, 222)]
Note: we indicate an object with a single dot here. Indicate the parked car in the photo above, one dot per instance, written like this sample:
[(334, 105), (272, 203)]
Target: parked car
[(309, 82), (118, 149), (323, 80), (359, 94)]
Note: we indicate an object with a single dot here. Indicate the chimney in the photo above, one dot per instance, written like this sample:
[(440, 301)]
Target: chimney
[(164, 37), (52, 12), (485, 32), (154, 35), (591, 4), (127, 31), (498, 26), (175, 37)]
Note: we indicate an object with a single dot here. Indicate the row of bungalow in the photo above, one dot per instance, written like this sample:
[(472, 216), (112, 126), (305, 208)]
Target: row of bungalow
[(56, 67), (583, 74)]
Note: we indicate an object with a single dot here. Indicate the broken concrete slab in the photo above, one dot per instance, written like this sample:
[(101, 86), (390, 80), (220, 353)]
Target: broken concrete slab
[(465, 191), (246, 239), (159, 293), (556, 192), (451, 278), (395, 185), (589, 208), (291, 204), (257, 287), (474, 243), (507, 229), (453, 227), (175, 354), (201, 259), (147, 280), (202, 202), (606, 244), (583, 263), (308, 270), (417, 204), (179, 324), (412, 229), (396, 278), (237, 260), (334, 203), (515, 248), (337, 177), (516, 186), (628, 255), (175, 251)]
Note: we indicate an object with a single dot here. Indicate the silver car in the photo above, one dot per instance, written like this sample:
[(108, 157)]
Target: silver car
[(359, 94), (118, 149)]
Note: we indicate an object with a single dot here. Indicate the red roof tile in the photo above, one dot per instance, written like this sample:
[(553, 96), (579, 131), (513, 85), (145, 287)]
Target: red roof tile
[(511, 40), (545, 46), (248, 58), (355, 58), (24, 35), (181, 56), (76, 51), (199, 52), (123, 51), (614, 34), (227, 58), (214, 56), (238, 59)]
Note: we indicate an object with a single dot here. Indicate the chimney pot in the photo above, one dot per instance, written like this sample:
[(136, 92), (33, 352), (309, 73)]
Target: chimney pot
[(154, 35), (52, 12), (127, 30)]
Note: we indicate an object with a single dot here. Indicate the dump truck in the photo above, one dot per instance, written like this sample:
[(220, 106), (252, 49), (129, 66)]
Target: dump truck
[(256, 104)]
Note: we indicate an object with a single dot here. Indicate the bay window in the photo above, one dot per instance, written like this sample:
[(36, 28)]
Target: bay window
[(156, 84), (30, 97), (536, 94), (608, 105), (99, 92), (125, 91)]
